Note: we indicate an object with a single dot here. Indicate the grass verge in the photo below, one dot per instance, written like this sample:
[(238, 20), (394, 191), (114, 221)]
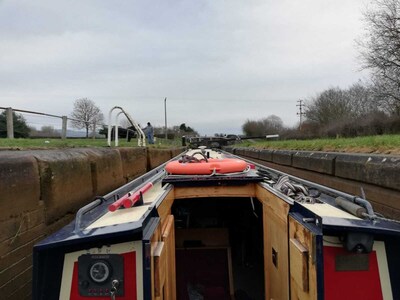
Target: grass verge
[(380, 144), (22, 144)]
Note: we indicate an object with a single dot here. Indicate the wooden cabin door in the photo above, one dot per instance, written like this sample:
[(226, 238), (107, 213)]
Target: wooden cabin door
[(159, 244), (305, 257), (169, 275), (276, 265)]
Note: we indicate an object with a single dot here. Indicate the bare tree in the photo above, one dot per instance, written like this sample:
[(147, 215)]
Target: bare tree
[(270, 125), (361, 100), (387, 95), (380, 52), (273, 124), (48, 131), (327, 107), (350, 112), (86, 114), (252, 128)]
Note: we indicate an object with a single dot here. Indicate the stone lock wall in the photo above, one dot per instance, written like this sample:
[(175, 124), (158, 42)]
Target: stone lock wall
[(377, 175), (40, 191)]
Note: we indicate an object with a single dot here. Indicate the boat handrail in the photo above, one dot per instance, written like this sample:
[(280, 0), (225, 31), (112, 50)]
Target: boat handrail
[(153, 176), (85, 209)]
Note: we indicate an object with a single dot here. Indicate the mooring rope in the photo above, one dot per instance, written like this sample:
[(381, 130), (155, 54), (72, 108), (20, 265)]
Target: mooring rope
[(296, 191), (300, 193)]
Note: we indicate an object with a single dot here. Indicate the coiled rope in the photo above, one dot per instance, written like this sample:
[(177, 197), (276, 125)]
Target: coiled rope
[(296, 191)]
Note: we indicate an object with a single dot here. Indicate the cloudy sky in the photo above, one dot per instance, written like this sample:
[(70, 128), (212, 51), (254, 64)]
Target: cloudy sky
[(218, 62)]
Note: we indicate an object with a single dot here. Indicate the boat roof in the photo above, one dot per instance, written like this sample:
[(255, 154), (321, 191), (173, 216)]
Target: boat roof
[(99, 221)]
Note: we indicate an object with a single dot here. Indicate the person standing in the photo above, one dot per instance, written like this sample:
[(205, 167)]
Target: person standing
[(149, 131)]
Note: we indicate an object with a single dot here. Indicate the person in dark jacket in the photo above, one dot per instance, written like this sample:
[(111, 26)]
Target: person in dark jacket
[(149, 131)]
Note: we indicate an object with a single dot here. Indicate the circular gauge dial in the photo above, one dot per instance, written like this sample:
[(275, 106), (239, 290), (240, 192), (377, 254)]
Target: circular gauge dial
[(99, 271)]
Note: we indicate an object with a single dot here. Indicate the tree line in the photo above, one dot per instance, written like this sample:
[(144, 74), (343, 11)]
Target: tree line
[(365, 108)]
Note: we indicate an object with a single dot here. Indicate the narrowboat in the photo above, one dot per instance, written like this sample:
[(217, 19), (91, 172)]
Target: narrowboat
[(210, 225)]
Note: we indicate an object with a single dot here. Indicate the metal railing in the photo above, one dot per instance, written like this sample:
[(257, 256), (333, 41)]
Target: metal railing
[(64, 120), (141, 135)]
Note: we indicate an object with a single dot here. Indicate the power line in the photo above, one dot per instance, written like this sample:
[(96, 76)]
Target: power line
[(301, 113)]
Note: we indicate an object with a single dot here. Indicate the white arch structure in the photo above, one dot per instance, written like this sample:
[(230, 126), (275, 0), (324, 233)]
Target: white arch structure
[(141, 137)]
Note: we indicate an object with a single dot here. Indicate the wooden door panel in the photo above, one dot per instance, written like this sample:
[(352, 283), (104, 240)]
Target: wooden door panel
[(303, 263), (168, 237)]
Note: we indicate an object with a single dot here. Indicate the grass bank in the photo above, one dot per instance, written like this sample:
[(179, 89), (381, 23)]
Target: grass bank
[(21, 144), (380, 144)]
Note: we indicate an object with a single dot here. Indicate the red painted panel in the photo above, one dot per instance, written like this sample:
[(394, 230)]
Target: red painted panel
[(353, 285), (130, 283)]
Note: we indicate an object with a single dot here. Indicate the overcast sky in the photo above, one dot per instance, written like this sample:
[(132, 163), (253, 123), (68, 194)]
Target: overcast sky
[(218, 63)]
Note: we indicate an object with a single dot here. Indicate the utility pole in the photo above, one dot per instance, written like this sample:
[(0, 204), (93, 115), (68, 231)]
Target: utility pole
[(10, 123), (301, 113), (165, 111), (64, 127)]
